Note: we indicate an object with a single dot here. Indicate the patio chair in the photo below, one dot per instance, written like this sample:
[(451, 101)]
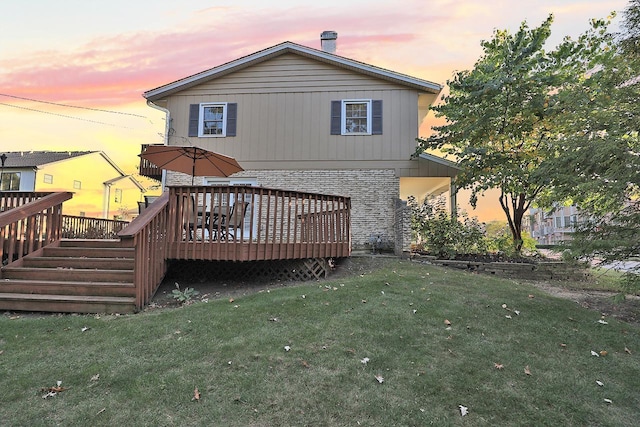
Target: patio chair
[(233, 222)]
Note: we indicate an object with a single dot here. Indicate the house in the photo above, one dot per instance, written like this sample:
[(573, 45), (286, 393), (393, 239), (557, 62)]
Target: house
[(304, 119), (555, 226), (100, 188)]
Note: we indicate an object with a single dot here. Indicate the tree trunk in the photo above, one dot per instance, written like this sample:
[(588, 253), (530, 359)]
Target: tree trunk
[(514, 214)]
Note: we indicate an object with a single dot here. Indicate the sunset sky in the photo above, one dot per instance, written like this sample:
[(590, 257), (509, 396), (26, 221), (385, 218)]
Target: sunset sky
[(72, 72)]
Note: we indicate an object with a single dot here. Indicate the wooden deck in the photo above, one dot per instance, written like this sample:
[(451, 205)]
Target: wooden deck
[(212, 223)]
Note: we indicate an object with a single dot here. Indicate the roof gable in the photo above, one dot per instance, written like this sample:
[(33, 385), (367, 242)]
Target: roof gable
[(289, 47), (28, 159)]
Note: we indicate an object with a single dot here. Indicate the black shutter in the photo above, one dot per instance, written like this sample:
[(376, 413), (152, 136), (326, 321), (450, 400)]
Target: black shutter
[(232, 118), (376, 117), (194, 119), (336, 119)]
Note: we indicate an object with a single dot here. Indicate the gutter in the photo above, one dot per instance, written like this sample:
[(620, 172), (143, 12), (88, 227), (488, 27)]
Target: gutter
[(167, 127)]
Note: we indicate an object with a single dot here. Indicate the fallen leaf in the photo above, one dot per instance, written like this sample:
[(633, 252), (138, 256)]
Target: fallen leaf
[(274, 319), (603, 322), (627, 350), (531, 296), (563, 345), (447, 322), (600, 383), (527, 370), (287, 348), (463, 410), (517, 312), (504, 305), (196, 395), (96, 377), (603, 353), (231, 300), (608, 400), (364, 361), (593, 353), (85, 329), (498, 365), (305, 364), (379, 379), (508, 316)]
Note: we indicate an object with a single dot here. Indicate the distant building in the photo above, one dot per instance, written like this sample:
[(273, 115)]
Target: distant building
[(100, 188), (553, 227)]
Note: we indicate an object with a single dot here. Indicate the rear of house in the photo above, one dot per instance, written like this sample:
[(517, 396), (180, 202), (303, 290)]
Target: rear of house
[(302, 119)]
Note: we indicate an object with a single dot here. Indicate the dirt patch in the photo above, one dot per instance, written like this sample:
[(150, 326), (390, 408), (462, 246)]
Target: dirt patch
[(609, 304)]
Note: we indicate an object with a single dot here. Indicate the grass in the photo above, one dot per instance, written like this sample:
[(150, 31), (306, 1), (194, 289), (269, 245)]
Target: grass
[(143, 369)]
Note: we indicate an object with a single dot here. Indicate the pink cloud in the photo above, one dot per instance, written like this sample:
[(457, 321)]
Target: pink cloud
[(113, 70)]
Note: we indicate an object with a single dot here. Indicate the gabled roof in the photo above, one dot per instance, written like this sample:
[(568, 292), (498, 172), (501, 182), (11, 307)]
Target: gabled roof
[(35, 159), (289, 47), (32, 159)]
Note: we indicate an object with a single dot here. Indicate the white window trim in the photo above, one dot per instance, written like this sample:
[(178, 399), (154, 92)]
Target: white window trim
[(201, 133), (343, 124)]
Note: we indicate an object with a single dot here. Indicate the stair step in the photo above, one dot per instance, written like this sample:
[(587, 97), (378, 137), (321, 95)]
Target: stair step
[(68, 274), (21, 286), (79, 263), (88, 252), (92, 243), (66, 303)]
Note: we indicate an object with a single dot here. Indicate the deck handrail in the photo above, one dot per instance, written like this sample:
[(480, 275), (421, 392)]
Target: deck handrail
[(148, 236), (82, 227), (32, 225)]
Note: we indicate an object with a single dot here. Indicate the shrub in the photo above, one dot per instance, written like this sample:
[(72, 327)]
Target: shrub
[(443, 235)]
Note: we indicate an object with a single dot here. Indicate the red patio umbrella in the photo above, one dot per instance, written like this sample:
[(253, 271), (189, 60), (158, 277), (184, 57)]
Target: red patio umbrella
[(191, 160)]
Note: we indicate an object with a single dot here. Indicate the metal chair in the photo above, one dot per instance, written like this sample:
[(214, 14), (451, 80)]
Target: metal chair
[(234, 221)]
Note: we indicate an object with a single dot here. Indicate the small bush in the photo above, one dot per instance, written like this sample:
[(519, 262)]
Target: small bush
[(442, 235)]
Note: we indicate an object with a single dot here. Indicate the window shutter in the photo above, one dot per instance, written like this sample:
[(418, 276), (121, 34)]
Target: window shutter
[(376, 117), (232, 118), (194, 119), (336, 119)]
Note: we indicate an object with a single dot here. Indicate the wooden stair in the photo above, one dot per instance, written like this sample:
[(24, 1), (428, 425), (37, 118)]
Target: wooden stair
[(79, 276)]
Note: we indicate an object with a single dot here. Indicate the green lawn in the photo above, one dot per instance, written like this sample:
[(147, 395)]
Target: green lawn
[(295, 356)]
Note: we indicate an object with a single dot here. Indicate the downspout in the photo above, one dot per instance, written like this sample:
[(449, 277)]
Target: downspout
[(167, 127), (105, 205), (453, 200)]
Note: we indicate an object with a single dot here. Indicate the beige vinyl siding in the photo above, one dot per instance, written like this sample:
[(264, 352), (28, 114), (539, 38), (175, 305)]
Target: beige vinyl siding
[(284, 117)]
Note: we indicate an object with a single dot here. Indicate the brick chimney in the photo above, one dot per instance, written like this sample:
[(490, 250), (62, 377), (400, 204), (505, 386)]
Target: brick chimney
[(328, 41)]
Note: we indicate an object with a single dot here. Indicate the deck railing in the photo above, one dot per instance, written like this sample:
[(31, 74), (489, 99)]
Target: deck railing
[(147, 233), (276, 224), (80, 227), (14, 199), (31, 222), (147, 168)]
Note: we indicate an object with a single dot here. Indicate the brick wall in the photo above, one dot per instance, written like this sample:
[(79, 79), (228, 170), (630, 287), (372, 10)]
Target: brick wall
[(374, 194)]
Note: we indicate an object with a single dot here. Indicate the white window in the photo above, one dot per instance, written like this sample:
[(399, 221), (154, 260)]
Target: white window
[(77, 185), (48, 179), (356, 117), (213, 120), (10, 181)]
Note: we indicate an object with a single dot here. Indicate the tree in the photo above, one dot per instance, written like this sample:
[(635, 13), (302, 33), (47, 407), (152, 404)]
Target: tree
[(599, 168), (499, 120)]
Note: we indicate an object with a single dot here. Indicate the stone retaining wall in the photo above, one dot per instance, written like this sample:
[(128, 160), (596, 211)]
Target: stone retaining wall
[(551, 270)]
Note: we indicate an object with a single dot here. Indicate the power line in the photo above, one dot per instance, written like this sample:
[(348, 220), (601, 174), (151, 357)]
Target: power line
[(71, 106), (64, 115)]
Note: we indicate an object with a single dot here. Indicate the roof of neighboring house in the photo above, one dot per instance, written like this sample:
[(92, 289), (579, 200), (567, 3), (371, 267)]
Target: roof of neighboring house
[(289, 47), (35, 159), (31, 159)]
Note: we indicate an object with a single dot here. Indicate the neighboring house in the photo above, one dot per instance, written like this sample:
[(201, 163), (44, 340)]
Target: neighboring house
[(553, 227), (303, 119), (100, 188)]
